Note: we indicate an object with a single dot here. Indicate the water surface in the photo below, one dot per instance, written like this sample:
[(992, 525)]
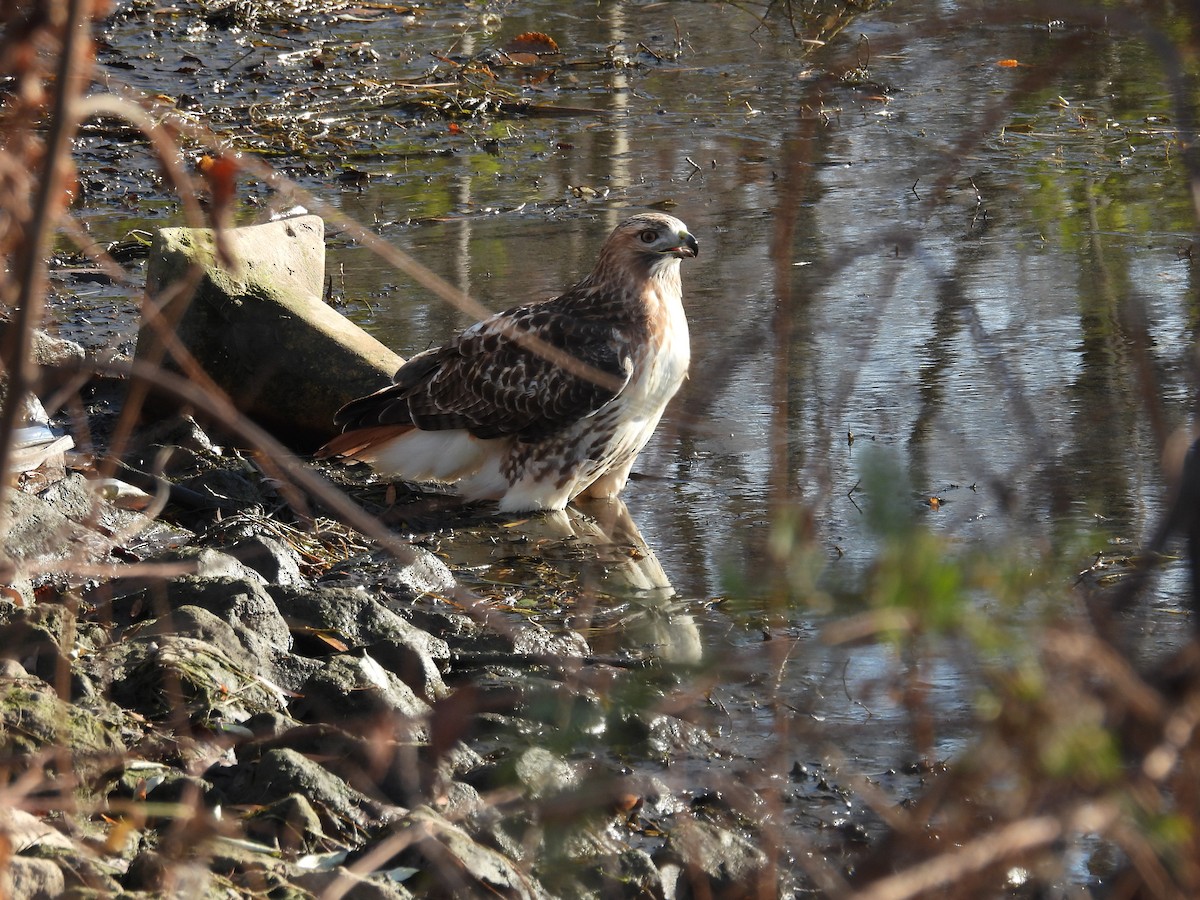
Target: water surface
[(982, 271)]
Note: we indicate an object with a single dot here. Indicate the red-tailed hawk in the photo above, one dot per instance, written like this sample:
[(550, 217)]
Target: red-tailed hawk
[(541, 403)]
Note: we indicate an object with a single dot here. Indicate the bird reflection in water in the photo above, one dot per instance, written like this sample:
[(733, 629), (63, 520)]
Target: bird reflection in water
[(625, 601)]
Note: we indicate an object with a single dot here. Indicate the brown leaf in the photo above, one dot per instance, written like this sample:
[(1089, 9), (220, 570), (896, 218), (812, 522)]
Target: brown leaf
[(531, 42), (340, 646)]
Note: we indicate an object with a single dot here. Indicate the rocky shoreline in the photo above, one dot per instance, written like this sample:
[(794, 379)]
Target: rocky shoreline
[(252, 703)]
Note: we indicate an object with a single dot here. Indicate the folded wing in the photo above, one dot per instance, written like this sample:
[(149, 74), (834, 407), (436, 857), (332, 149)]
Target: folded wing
[(491, 383)]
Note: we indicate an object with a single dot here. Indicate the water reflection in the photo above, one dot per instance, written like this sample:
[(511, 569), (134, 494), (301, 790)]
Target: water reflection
[(619, 592), (962, 309)]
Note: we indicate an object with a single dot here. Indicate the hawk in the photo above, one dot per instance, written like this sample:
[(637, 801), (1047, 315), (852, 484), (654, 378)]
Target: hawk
[(541, 403)]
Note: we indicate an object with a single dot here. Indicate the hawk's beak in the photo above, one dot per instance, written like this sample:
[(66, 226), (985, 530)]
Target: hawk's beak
[(687, 249)]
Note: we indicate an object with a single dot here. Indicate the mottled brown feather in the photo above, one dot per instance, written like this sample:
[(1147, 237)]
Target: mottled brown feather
[(489, 383)]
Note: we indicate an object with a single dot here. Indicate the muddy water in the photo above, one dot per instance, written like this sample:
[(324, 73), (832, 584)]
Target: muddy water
[(963, 254)]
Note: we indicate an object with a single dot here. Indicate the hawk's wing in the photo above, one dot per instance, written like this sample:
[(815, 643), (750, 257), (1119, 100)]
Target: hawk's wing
[(491, 384)]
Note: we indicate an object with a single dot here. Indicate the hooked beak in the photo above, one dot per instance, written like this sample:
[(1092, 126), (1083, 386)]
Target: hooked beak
[(687, 249)]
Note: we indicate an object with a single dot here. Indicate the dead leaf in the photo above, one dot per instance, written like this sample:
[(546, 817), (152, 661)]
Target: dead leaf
[(531, 42)]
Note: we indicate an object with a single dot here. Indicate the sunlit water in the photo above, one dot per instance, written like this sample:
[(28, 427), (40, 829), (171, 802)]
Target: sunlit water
[(1067, 206), (1013, 397)]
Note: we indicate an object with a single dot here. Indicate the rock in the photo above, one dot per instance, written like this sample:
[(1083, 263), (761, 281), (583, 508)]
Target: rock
[(267, 725), (66, 520), (360, 888), (356, 687), (274, 560), (157, 675), (210, 563), (32, 643), (344, 813), (178, 788), (32, 879), (225, 489), (403, 581), (34, 719), (148, 871), (367, 764), (324, 618), (74, 497), (543, 773), (259, 328), (84, 874), (413, 664), (11, 670), (459, 801), (25, 831), (38, 531), (243, 603), (47, 351), (449, 861), (180, 431), (703, 859), (356, 616), (157, 873), (289, 823), (536, 640), (238, 598)]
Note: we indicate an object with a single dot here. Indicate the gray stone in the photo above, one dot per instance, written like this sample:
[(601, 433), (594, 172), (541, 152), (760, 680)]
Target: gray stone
[(377, 768), (24, 831), (482, 870), (536, 640), (705, 859), (38, 531), (402, 581), (243, 603), (412, 663), (289, 823), (356, 687), (33, 719), (378, 887), (202, 625), (459, 800), (210, 563), (343, 811), (66, 520), (274, 560), (225, 489), (158, 675), (543, 773), (259, 327), (32, 879), (46, 350), (356, 616)]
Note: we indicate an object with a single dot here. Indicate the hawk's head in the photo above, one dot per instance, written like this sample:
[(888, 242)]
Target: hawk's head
[(648, 244)]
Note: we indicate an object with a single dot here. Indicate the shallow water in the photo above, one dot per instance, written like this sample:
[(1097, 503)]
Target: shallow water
[(1016, 402), (968, 264)]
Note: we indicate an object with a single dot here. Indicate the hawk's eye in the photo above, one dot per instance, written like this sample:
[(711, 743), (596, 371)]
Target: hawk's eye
[(648, 236)]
